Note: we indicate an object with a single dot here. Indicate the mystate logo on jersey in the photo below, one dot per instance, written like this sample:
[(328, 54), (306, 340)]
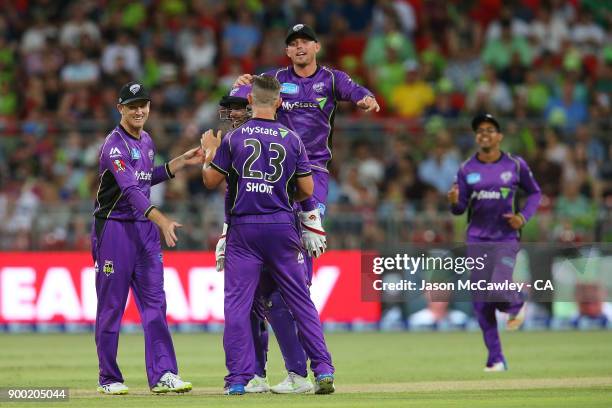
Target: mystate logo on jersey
[(289, 106), (143, 176), (491, 195), (264, 131)]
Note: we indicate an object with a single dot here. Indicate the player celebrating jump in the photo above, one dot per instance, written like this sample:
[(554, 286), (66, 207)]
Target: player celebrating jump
[(266, 167), (310, 95), (487, 186)]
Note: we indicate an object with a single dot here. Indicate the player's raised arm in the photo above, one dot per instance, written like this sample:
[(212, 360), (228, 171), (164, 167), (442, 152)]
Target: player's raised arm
[(347, 90), (217, 158), (167, 171), (244, 79)]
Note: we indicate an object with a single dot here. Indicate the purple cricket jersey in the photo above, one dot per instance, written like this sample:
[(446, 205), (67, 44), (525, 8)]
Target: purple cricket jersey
[(309, 106), (126, 175), (489, 190), (261, 160)]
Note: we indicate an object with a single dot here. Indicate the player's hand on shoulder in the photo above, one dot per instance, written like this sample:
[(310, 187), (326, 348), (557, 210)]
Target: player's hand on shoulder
[(314, 239), (453, 194), (368, 103), (244, 79), (209, 143)]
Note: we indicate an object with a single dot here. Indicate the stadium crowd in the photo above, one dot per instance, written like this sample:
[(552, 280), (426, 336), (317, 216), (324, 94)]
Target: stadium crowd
[(543, 66)]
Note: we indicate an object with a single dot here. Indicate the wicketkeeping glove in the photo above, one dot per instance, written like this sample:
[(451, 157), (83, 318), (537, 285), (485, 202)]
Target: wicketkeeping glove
[(313, 234), (220, 251)]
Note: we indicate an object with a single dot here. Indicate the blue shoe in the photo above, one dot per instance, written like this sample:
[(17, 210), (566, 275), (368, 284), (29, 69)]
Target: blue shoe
[(235, 389), (324, 384)]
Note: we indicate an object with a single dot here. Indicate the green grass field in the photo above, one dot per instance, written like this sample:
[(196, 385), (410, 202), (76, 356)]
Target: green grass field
[(547, 369)]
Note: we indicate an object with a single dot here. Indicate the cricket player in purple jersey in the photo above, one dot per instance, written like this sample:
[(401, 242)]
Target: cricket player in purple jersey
[(487, 186), (267, 168), (126, 246), (310, 95), (234, 111)]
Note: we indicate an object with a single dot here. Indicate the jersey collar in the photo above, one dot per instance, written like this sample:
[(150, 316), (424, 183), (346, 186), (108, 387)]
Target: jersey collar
[(128, 133), (501, 156), (309, 76)]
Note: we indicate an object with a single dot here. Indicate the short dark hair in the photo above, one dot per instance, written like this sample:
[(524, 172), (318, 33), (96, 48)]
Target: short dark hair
[(266, 90)]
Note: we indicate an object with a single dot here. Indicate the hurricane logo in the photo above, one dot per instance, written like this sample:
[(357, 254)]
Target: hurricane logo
[(298, 27), (135, 88)]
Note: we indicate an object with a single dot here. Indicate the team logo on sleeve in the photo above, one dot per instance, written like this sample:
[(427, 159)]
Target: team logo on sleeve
[(96, 268), (318, 87), (108, 267), (300, 257), (473, 178), (135, 153), (289, 88), (506, 176), (151, 154), (114, 152), (119, 165)]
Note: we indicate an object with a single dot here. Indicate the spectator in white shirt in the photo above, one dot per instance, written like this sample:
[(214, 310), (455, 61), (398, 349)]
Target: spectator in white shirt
[(124, 49), (71, 32), (199, 53)]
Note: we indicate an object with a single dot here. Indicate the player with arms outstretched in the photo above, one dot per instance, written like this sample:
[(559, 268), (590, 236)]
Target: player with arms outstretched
[(310, 94)]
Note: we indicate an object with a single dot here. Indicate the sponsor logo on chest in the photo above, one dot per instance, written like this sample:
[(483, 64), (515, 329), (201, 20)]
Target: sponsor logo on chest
[(258, 129), (135, 153), (114, 153), (143, 176), (486, 195), (289, 88)]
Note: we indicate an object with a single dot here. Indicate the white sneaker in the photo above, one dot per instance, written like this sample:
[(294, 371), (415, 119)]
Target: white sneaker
[(514, 322), (113, 389), (293, 384), (497, 367), (257, 384), (171, 383)]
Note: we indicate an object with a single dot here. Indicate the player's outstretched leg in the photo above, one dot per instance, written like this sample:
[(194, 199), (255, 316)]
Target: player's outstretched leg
[(114, 266)]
